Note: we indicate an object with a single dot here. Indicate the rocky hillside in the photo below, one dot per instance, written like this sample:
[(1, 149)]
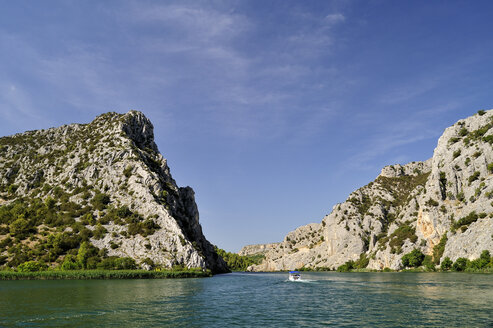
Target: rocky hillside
[(442, 207), (104, 183), (258, 249)]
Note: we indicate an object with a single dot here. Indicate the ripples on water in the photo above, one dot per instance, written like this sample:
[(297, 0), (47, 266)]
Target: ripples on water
[(259, 299)]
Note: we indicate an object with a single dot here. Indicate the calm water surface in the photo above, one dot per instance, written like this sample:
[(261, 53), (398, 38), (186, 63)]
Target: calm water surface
[(260, 299)]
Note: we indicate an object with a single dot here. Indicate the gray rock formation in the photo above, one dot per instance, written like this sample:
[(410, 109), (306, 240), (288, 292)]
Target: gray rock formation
[(148, 216), (406, 207), (256, 249)]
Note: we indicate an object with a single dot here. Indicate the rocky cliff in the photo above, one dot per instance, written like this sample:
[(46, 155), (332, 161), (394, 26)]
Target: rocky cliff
[(105, 183), (443, 207), (258, 249)]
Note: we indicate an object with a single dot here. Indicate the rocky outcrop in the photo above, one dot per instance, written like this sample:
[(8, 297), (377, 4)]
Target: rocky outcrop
[(256, 249), (109, 180), (407, 207)]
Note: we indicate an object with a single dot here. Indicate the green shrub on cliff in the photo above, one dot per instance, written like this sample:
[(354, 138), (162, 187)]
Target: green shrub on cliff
[(399, 236), (446, 264), (346, 267), (117, 263), (70, 263), (460, 264), (100, 200), (439, 248), (31, 266), (413, 259), (464, 222)]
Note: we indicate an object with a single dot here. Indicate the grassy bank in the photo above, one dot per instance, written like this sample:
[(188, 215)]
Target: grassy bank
[(101, 274)]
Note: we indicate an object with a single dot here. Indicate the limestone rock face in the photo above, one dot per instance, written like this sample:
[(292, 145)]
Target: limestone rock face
[(147, 216), (256, 249), (406, 207)]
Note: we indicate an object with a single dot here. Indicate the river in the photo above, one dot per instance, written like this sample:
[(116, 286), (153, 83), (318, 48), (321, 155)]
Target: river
[(255, 300)]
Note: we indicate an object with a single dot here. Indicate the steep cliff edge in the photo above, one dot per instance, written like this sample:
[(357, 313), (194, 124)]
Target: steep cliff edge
[(442, 207), (105, 183)]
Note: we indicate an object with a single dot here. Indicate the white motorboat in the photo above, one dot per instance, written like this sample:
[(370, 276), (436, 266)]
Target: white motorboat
[(294, 275)]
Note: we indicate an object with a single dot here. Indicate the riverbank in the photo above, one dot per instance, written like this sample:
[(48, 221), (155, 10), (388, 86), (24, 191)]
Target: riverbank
[(102, 274)]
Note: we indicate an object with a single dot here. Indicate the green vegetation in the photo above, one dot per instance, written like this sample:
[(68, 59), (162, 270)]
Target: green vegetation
[(402, 186), (315, 269), (439, 248), (31, 266), (428, 263), (460, 264), (488, 139), (128, 171), (237, 262), (483, 264), (413, 259), (54, 236), (479, 133), (346, 267), (362, 205), (103, 274), (361, 263), (464, 222), (431, 202), (456, 154), (146, 228), (463, 132), (443, 186), (399, 236), (453, 140), (446, 264), (474, 177), (100, 201), (418, 262)]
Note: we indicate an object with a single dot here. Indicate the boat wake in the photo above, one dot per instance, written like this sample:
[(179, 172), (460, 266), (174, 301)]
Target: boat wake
[(301, 280)]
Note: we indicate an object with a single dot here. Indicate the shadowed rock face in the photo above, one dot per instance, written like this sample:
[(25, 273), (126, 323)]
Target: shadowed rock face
[(113, 155), (406, 207)]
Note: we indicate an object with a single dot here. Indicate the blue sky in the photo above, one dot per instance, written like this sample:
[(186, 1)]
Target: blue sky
[(273, 111)]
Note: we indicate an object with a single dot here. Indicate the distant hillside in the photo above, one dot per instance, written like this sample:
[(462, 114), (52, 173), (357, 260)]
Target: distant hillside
[(102, 185), (442, 207), (256, 249)]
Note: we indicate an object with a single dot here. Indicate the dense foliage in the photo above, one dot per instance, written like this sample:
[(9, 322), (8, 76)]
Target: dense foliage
[(52, 232), (483, 264), (103, 274), (237, 262), (361, 263), (413, 259)]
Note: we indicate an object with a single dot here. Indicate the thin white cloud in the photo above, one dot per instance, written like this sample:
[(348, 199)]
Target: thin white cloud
[(247, 94), (17, 107), (409, 91), (192, 22), (335, 18), (317, 37), (415, 127), (194, 47)]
